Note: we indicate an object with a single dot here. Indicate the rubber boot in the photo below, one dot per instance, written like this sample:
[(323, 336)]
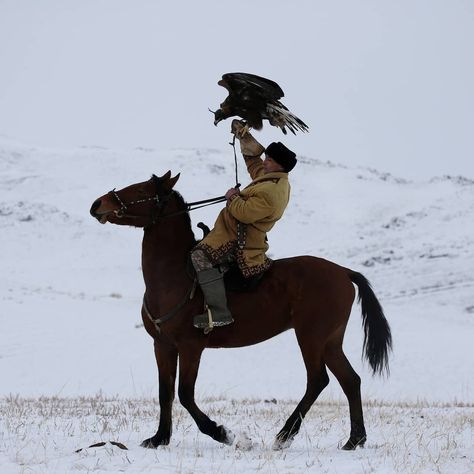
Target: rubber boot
[(217, 314)]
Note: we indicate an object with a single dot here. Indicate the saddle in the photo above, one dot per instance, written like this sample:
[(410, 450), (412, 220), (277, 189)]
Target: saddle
[(234, 281)]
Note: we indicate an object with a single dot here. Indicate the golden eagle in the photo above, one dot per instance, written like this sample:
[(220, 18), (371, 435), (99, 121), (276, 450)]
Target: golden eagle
[(254, 99)]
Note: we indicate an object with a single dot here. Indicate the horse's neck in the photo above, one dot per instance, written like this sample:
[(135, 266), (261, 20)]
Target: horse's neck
[(165, 250)]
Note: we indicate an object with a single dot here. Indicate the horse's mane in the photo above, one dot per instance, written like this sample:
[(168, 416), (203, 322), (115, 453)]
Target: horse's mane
[(183, 205)]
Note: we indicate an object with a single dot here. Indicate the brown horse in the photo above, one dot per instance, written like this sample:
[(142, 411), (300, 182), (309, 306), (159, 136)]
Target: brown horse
[(311, 295)]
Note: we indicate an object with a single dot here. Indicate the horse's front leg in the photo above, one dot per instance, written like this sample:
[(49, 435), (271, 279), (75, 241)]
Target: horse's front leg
[(167, 359), (189, 359)]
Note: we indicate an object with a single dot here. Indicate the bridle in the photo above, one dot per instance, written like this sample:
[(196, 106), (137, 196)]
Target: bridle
[(160, 202)]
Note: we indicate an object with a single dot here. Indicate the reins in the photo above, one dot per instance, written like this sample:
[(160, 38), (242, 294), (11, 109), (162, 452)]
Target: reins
[(232, 144), (191, 206), (160, 201)]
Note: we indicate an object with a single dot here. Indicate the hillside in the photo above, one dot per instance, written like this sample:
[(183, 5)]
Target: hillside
[(70, 289)]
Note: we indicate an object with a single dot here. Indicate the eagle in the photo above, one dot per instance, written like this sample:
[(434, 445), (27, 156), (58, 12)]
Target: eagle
[(255, 99)]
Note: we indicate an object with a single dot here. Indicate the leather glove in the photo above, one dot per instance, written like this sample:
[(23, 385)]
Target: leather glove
[(248, 145), (239, 128)]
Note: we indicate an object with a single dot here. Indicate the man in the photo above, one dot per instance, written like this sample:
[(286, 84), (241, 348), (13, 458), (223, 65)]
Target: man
[(239, 233)]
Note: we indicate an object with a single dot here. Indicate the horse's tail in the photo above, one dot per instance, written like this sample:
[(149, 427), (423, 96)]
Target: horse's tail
[(377, 334)]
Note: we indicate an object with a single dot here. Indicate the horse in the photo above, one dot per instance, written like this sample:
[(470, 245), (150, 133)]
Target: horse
[(311, 295)]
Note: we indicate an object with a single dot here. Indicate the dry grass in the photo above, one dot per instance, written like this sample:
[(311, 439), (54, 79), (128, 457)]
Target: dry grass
[(42, 435)]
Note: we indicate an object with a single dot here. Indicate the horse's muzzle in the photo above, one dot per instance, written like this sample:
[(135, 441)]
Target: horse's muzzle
[(94, 207), (102, 218)]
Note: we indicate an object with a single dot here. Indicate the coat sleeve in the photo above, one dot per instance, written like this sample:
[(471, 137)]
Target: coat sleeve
[(252, 151), (253, 208), (254, 166)]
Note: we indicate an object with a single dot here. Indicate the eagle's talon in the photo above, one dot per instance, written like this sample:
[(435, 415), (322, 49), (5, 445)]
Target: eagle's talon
[(240, 128), (243, 131)]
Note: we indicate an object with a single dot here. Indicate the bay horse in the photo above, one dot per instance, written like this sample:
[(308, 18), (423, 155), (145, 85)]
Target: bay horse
[(311, 295)]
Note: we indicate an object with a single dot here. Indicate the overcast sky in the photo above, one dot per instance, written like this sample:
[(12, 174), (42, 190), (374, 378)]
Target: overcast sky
[(386, 84)]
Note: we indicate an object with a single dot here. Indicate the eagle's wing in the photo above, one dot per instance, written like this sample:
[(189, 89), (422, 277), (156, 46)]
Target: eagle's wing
[(264, 88), (255, 98)]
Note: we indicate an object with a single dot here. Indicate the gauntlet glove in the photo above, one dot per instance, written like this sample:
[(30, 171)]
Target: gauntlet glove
[(248, 145)]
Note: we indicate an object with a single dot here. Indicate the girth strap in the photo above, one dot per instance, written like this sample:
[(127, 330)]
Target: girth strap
[(157, 321)]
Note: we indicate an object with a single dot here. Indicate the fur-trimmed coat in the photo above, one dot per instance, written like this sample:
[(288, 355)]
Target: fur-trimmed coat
[(259, 206)]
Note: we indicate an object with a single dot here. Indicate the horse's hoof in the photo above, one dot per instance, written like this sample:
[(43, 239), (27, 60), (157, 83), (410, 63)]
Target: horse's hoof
[(355, 442), (225, 435), (148, 443), (244, 442), (280, 443), (153, 443)]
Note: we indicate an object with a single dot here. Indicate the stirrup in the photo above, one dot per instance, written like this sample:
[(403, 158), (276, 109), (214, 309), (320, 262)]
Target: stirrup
[(210, 325), (207, 323), (201, 323)]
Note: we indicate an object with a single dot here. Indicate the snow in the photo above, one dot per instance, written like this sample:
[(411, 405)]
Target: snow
[(71, 289), (49, 432)]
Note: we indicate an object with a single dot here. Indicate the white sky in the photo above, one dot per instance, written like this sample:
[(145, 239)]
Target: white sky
[(387, 84)]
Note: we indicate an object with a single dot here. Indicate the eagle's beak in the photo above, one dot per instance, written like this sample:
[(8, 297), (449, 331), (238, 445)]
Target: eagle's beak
[(218, 116)]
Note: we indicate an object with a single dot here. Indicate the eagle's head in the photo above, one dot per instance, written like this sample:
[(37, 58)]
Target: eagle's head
[(218, 116)]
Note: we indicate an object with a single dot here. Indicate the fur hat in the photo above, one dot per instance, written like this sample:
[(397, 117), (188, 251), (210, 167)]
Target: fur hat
[(282, 155)]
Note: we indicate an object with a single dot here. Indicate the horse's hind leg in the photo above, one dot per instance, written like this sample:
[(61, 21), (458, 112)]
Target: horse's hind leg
[(317, 379), (350, 383), (167, 361), (189, 359)]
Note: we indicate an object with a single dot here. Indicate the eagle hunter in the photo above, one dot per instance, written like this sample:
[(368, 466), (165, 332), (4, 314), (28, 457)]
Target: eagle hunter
[(255, 99)]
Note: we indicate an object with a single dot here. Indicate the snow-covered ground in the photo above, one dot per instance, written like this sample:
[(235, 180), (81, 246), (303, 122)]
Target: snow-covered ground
[(45, 435), (70, 293)]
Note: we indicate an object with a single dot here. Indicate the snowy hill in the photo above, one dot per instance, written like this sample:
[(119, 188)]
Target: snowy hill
[(70, 289)]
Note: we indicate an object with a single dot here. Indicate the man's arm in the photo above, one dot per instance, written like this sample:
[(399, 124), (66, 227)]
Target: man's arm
[(254, 166), (250, 148), (252, 209)]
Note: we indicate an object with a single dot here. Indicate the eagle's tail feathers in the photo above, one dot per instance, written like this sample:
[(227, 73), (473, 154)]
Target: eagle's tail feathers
[(284, 118)]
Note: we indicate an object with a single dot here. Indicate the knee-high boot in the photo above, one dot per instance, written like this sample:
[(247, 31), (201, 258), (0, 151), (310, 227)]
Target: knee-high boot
[(212, 284)]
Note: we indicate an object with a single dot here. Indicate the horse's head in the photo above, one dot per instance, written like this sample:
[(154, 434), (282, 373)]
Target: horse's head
[(137, 205)]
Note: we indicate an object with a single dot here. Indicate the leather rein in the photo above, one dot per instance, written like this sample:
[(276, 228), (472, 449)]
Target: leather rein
[(160, 203), (191, 206)]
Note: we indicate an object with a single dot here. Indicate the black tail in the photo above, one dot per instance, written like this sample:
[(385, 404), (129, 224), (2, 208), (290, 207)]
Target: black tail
[(377, 334)]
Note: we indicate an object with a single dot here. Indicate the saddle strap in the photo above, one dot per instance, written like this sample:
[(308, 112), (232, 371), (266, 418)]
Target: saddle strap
[(157, 321)]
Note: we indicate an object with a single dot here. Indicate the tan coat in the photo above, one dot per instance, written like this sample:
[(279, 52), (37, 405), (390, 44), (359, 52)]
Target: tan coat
[(260, 205)]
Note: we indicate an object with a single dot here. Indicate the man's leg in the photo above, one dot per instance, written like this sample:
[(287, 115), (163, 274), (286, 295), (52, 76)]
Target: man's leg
[(211, 280)]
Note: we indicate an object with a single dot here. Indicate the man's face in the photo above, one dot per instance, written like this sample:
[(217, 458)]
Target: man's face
[(270, 165)]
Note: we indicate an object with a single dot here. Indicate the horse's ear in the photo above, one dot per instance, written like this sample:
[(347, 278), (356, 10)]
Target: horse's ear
[(172, 181), (166, 176)]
